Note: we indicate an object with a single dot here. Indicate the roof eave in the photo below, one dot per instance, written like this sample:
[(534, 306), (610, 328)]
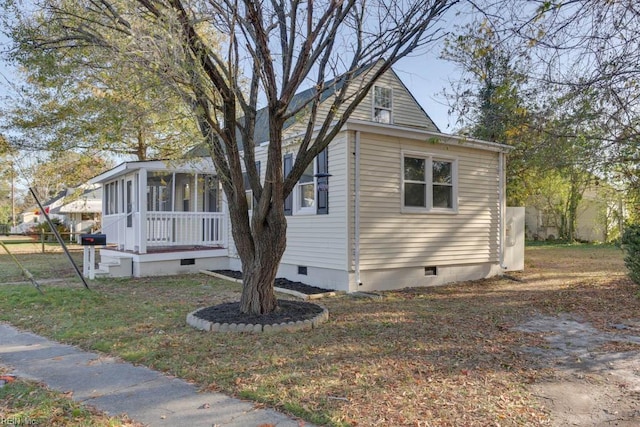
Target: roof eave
[(423, 134)]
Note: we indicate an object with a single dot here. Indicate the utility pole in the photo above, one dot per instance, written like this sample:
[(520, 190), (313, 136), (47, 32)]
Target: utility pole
[(13, 195)]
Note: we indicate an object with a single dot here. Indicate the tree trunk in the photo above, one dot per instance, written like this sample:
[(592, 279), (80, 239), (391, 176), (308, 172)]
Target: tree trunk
[(260, 253)]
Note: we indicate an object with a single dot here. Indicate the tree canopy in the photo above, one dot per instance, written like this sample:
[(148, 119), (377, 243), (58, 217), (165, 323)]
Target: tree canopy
[(87, 99), (227, 60), (557, 81)]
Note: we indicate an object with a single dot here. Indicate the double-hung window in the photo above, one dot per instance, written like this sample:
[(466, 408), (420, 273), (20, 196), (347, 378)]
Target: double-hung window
[(247, 187), (310, 196), (429, 183), (305, 202), (382, 104)]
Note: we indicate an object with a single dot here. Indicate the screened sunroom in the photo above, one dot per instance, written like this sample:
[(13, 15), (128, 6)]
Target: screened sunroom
[(151, 206)]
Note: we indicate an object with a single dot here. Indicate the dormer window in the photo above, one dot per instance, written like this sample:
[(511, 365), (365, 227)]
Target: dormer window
[(382, 104)]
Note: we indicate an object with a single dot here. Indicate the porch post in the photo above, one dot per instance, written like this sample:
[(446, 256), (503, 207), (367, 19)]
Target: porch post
[(195, 191), (142, 211), (173, 193)]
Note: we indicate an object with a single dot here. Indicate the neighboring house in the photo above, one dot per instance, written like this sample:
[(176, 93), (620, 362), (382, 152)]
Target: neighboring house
[(599, 218), (79, 209), (82, 209), (405, 205), (33, 217)]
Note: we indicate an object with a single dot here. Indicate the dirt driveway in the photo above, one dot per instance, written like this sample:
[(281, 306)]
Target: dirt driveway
[(592, 356)]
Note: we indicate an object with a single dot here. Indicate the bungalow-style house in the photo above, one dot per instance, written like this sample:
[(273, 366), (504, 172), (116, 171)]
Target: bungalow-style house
[(79, 209), (405, 205)]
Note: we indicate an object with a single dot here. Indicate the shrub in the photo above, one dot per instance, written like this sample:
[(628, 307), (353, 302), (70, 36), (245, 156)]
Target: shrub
[(631, 246), (44, 226)]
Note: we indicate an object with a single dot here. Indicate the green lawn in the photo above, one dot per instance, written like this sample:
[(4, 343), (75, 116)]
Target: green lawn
[(442, 356)]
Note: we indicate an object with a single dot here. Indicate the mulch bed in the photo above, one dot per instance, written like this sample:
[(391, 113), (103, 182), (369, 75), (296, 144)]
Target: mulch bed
[(280, 283), (287, 311)]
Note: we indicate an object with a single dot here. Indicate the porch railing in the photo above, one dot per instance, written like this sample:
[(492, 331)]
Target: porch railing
[(185, 228)]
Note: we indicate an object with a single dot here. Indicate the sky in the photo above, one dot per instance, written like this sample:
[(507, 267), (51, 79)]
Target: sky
[(425, 75)]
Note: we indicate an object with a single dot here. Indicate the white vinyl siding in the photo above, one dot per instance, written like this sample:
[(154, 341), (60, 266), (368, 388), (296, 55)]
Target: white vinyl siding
[(321, 240), (317, 240), (390, 238), (406, 110)]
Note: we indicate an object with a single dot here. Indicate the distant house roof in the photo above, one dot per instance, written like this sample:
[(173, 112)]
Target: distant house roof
[(89, 200), (81, 199)]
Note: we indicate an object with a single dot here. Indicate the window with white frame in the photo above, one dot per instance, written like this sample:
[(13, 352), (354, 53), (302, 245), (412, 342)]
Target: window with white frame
[(382, 104), (247, 187), (311, 193), (428, 183), (305, 200), (248, 192), (111, 198), (160, 192)]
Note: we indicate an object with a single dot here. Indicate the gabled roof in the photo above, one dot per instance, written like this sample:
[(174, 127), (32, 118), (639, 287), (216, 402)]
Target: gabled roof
[(261, 132), (57, 199), (89, 200)]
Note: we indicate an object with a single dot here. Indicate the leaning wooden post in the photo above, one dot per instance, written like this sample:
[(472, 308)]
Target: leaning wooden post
[(57, 234), (25, 272)]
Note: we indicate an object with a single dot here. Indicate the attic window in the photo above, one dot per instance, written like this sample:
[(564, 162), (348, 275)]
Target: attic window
[(382, 104)]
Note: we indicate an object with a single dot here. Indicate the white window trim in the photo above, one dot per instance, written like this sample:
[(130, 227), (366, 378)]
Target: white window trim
[(374, 106), (429, 158), (249, 195), (297, 202)]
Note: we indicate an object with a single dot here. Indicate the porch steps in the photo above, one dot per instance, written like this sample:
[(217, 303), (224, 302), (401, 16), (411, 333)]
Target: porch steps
[(110, 266)]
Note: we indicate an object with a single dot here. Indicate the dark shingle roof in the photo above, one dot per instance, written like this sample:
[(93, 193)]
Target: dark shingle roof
[(261, 132)]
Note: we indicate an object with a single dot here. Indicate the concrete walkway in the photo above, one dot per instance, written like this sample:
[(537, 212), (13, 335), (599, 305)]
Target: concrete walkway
[(117, 388)]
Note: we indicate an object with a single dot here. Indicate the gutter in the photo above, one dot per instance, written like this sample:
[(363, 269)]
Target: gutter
[(424, 135)]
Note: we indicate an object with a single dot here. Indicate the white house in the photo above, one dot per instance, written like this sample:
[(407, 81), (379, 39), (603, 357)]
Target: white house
[(81, 208), (78, 208), (405, 205)]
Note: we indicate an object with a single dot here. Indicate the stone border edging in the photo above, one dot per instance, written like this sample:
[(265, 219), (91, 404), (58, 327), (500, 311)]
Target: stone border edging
[(304, 297), (300, 325)]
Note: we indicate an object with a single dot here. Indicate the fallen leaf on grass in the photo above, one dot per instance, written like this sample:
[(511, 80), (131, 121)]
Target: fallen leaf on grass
[(8, 378)]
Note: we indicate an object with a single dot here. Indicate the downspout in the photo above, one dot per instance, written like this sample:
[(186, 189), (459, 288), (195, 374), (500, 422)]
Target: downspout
[(501, 210), (356, 211)]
